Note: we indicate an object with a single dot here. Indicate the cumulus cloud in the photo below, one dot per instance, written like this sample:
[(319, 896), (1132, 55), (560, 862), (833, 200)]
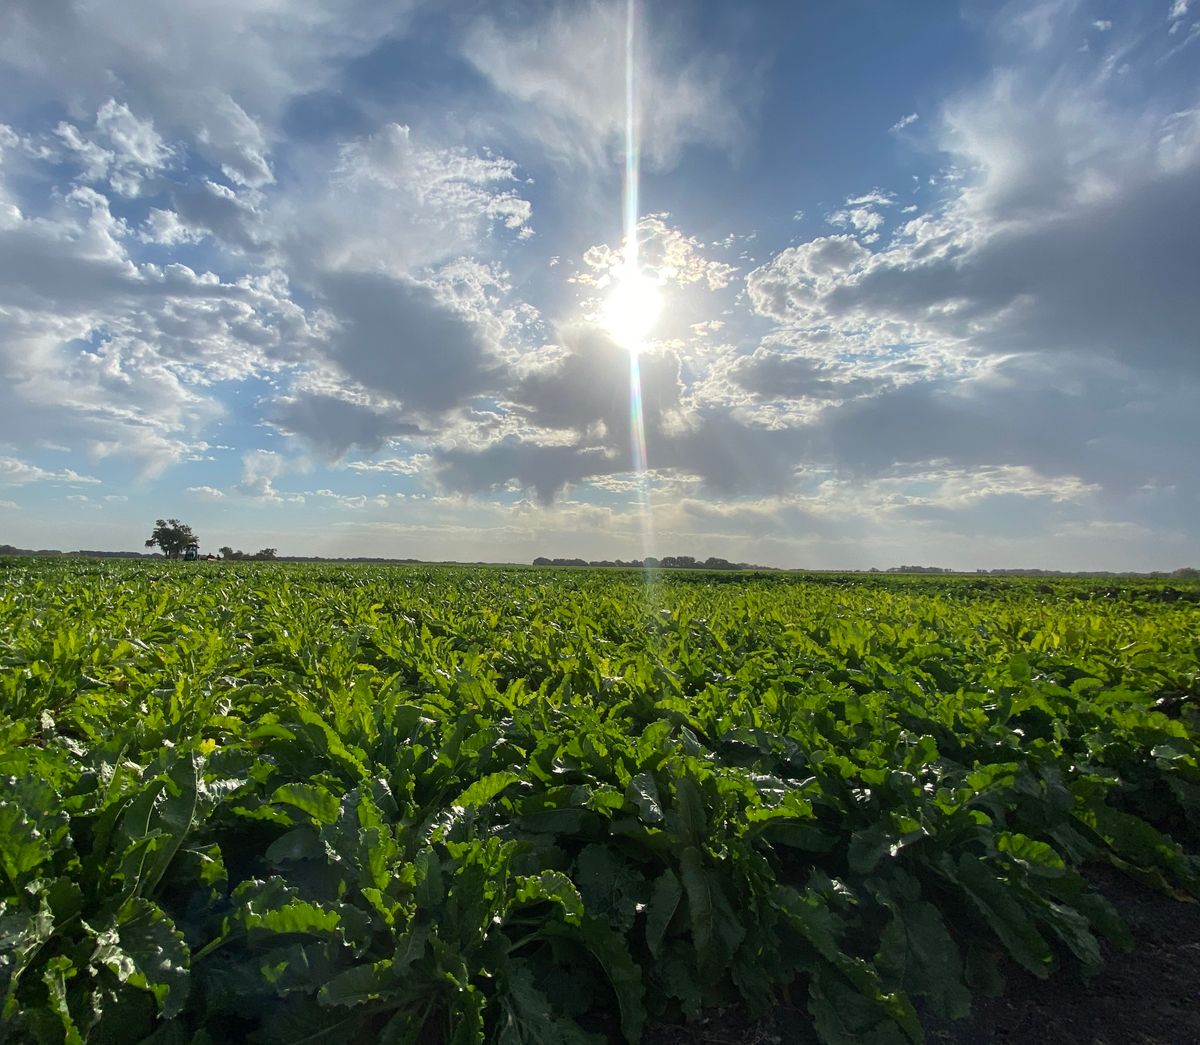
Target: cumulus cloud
[(223, 73), (333, 425), (666, 255), (396, 338), (589, 385), (772, 374), (393, 203), (1066, 235), (17, 473)]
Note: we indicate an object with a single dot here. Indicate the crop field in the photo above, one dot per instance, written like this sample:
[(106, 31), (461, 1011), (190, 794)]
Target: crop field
[(289, 803)]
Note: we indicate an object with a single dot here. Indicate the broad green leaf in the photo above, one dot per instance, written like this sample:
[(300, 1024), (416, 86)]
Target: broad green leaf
[(485, 789), (716, 929), (58, 970), (994, 900), (554, 887), (318, 802), (143, 948), (642, 791), (527, 1017), (664, 901), (1036, 857)]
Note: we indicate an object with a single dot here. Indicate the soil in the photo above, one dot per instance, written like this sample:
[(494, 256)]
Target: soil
[(1149, 996)]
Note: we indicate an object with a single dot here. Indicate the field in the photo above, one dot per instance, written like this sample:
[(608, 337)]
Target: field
[(285, 803)]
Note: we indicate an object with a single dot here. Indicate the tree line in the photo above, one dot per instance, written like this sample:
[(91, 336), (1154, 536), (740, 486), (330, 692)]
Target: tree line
[(174, 538)]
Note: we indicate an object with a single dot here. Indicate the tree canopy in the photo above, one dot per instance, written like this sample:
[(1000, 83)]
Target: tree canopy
[(172, 537)]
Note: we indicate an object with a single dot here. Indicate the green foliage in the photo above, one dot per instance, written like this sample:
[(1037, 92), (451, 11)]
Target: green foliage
[(171, 536), (296, 803)]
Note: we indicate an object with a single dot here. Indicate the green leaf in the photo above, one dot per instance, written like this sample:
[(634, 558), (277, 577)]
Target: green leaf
[(301, 843), (21, 937), (466, 1016), (485, 789), (664, 901), (610, 888), (917, 953), (554, 887), (24, 849), (144, 949), (625, 976), (716, 929), (843, 1015), (1036, 857), (58, 970), (360, 984), (642, 791), (527, 1017), (994, 900), (312, 799), (1072, 927)]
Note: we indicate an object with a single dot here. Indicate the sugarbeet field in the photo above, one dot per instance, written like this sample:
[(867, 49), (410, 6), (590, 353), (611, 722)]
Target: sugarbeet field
[(286, 803)]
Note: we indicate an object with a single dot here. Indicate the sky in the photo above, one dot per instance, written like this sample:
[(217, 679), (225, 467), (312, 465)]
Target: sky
[(920, 282)]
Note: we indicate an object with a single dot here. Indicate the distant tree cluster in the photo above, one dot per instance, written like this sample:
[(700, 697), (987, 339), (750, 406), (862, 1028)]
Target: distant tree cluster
[(172, 537), (262, 553), (667, 562)]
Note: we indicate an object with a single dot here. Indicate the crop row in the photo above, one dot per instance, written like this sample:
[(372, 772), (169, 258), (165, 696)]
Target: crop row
[(282, 803)]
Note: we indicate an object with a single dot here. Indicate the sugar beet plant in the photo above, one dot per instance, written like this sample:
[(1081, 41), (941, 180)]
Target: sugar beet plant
[(283, 804)]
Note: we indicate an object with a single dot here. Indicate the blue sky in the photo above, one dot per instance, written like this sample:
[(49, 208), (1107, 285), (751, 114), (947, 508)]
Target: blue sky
[(333, 277)]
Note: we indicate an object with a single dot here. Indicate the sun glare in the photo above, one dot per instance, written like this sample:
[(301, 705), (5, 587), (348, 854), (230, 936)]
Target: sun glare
[(631, 310)]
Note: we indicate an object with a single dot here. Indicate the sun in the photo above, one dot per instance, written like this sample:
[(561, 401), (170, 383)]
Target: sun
[(631, 309)]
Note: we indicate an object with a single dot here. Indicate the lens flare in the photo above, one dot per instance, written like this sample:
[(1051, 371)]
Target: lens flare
[(632, 309), (634, 303)]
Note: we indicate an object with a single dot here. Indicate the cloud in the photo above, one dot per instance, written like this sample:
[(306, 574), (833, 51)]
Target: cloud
[(589, 384), (222, 74), (1069, 239), (14, 472), (333, 425), (665, 254), (564, 67), (397, 339), (905, 121), (393, 203), (207, 208), (545, 469), (771, 374), (260, 469), (414, 464)]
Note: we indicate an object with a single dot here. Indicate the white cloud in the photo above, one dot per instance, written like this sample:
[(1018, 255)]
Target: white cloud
[(414, 464), (206, 493), (223, 73), (393, 203), (665, 253), (905, 121), (15, 472), (566, 69)]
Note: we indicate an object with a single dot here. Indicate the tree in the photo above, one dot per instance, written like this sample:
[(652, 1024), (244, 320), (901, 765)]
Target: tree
[(172, 537), (266, 553)]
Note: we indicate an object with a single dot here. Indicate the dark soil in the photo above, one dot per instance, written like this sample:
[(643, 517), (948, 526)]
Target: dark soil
[(1150, 996)]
